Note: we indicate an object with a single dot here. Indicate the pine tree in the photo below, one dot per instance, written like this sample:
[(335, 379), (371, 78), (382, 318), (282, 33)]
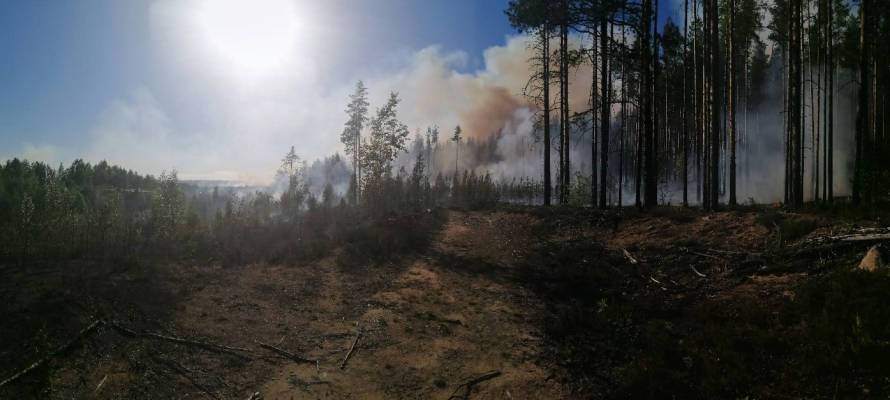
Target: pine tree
[(351, 137), (456, 138), (537, 18), (387, 138)]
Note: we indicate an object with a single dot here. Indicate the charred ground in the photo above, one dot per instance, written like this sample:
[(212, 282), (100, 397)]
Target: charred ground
[(564, 303)]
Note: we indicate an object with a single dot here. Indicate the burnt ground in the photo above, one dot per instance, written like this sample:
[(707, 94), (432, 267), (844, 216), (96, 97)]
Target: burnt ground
[(563, 303)]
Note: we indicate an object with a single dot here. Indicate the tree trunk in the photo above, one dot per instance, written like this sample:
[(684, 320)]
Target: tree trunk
[(605, 109), (650, 196), (685, 115), (565, 166), (731, 111), (829, 132), (714, 42), (862, 111), (545, 61), (594, 89), (623, 124), (647, 139)]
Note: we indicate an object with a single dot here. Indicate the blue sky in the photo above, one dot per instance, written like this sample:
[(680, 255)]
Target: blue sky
[(64, 61), (85, 78)]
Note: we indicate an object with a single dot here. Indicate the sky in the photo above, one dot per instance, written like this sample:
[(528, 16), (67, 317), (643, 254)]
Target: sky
[(219, 89)]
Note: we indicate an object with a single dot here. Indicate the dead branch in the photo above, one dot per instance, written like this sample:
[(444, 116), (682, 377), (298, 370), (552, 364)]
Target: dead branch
[(736, 253), (37, 364), (868, 237), (255, 396), (698, 273), (705, 255), (468, 385), (351, 349), (630, 257), (185, 373), (102, 382), (173, 339), (827, 244), (287, 354)]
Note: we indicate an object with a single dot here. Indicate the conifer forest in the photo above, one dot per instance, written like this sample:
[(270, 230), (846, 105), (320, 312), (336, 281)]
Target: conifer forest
[(406, 199)]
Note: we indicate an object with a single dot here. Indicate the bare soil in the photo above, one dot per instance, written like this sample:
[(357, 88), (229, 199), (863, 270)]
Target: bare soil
[(485, 295)]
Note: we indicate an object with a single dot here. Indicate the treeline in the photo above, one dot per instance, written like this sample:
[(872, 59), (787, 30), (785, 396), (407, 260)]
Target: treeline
[(677, 107), (106, 214)]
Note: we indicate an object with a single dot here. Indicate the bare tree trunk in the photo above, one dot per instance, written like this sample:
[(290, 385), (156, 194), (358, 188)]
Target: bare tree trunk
[(862, 112), (594, 104), (829, 108), (605, 109), (731, 111), (714, 54), (565, 167), (648, 130), (685, 115), (651, 195), (623, 124), (545, 61), (696, 104)]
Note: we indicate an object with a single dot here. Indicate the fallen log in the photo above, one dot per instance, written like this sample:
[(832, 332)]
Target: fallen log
[(80, 335), (851, 237), (287, 354), (862, 237), (468, 385)]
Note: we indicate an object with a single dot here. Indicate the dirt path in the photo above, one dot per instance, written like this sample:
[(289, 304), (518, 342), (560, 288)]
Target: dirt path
[(428, 322)]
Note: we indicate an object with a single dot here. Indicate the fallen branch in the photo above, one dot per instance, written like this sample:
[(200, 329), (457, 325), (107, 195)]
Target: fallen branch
[(656, 281), (698, 273), (736, 253), (102, 382), (80, 335), (184, 372), (468, 385), (351, 349), (287, 354), (630, 257), (255, 396), (857, 238), (202, 344), (705, 255)]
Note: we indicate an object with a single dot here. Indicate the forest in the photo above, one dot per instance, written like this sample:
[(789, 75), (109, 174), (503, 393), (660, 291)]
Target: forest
[(691, 205)]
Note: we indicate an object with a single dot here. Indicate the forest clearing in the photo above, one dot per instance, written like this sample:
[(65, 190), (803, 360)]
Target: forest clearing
[(453, 199), (576, 304)]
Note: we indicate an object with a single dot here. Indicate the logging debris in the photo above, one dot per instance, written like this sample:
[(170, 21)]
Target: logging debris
[(287, 354), (470, 384), (37, 364)]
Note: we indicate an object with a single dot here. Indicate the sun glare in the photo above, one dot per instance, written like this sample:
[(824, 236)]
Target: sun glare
[(254, 36)]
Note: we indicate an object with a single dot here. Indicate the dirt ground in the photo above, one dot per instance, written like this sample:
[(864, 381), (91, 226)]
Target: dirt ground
[(423, 324)]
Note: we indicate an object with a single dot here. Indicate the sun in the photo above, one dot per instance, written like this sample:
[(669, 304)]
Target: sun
[(254, 36)]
